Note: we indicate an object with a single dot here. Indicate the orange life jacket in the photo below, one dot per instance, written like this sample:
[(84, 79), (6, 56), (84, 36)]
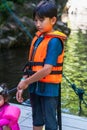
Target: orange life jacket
[(37, 62)]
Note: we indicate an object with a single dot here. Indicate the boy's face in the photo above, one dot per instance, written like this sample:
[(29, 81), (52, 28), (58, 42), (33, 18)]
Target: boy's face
[(45, 25)]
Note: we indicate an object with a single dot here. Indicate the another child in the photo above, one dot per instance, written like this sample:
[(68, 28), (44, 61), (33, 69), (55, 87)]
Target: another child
[(45, 67), (9, 114)]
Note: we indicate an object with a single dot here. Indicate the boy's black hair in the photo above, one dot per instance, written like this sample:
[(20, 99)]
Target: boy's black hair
[(4, 91), (46, 8)]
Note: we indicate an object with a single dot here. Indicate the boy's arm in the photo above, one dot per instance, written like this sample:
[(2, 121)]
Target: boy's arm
[(35, 77)]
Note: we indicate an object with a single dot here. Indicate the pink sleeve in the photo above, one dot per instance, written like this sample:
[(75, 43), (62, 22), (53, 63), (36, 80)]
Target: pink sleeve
[(12, 114), (4, 122)]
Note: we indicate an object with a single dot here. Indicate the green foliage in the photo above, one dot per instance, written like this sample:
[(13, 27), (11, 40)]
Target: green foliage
[(3, 5), (3, 10)]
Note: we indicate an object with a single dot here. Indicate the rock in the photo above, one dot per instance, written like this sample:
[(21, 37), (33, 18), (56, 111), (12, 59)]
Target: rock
[(18, 29), (4, 43)]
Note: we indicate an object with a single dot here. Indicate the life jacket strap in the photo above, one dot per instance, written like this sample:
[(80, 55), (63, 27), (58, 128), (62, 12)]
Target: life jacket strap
[(56, 72), (31, 63), (30, 72)]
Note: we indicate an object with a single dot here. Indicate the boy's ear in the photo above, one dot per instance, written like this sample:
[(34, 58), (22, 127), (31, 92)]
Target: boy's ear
[(54, 19)]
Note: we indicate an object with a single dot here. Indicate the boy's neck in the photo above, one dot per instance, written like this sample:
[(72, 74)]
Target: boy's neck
[(43, 34)]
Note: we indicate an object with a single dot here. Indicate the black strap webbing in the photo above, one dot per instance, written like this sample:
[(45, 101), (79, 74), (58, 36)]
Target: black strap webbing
[(30, 72), (31, 63)]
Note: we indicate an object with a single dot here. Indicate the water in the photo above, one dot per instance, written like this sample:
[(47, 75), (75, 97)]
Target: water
[(75, 69), (12, 62), (11, 65)]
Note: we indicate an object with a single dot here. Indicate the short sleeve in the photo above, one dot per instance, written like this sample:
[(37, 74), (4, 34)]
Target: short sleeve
[(53, 51)]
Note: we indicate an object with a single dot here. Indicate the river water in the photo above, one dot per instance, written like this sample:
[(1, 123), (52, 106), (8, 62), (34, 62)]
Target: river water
[(12, 62)]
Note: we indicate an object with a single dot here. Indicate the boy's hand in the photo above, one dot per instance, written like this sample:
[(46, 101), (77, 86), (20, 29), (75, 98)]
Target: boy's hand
[(19, 96), (22, 85)]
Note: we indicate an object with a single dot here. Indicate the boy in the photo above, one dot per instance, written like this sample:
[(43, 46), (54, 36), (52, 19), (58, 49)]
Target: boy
[(44, 68)]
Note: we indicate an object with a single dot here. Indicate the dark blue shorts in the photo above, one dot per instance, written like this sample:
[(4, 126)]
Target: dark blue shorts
[(44, 111)]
